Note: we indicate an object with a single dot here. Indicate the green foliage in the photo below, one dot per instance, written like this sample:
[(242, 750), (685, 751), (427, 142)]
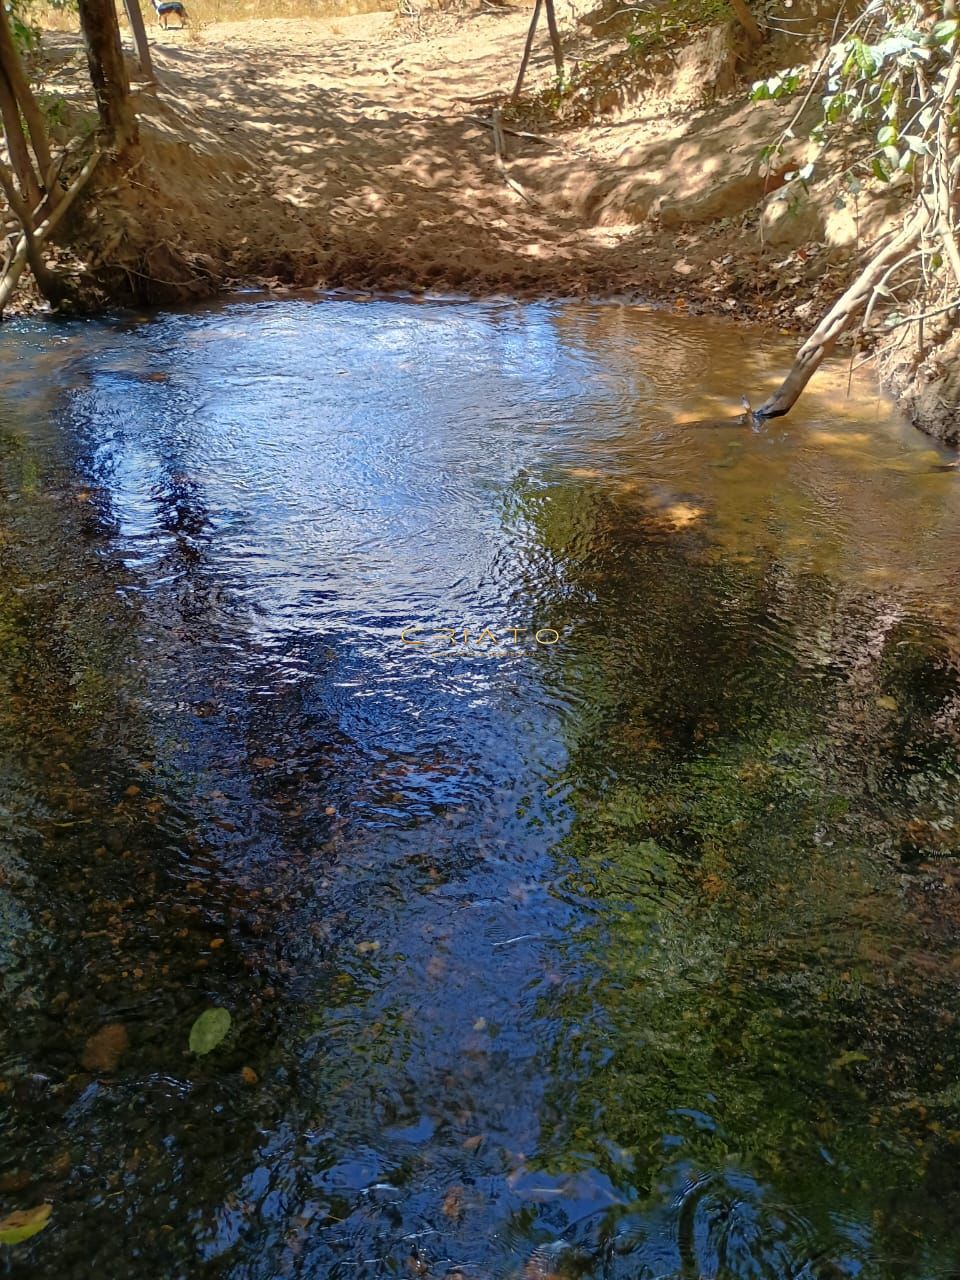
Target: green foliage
[(209, 1030), (25, 32), (782, 85), (22, 15), (54, 108), (674, 22), (875, 81)]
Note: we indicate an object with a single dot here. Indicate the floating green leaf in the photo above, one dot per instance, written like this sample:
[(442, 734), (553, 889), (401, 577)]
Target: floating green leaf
[(847, 1059), (208, 1030), (20, 1226)]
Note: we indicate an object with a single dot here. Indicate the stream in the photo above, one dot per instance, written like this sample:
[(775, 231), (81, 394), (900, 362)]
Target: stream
[(558, 785)]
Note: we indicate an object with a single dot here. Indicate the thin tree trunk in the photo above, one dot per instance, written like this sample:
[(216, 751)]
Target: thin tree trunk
[(747, 21), (48, 282), (140, 38), (52, 286), (554, 37), (101, 34), (531, 32), (15, 200), (29, 246), (20, 87), (17, 142)]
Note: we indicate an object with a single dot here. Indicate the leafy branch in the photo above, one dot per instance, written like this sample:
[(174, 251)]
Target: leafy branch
[(890, 85)]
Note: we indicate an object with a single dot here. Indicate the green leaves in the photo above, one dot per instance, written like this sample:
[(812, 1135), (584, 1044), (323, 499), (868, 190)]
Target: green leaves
[(209, 1030), (872, 83), (860, 56), (847, 1059), (781, 85), (20, 1226), (667, 25), (26, 33), (879, 169)]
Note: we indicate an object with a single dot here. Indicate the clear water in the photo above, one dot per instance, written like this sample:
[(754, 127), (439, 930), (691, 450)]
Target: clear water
[(615, 938)]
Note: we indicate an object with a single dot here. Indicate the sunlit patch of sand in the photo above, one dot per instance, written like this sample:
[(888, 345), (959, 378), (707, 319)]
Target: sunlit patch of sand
[(882, 574), (840, 439), (689, 415), (682, 514)]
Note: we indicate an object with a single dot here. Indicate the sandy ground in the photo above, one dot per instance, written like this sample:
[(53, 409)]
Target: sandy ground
[(351, 152)]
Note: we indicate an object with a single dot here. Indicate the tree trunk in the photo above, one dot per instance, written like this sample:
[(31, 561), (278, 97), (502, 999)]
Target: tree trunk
[(12, 67), (17, 143), (528, 48), (101, 34), (135, 18), (747, 21), (30, 244), (554, 37)]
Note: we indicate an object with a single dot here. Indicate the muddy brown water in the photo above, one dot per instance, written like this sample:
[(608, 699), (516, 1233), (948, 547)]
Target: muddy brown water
[(559, 793)]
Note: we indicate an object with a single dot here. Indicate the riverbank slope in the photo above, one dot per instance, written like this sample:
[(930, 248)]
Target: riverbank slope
[(357, 152)]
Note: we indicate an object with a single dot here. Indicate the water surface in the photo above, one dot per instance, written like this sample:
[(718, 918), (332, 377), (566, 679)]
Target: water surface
[(557, 784)]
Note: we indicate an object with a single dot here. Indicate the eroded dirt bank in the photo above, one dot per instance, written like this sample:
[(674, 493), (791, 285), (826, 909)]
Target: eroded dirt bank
[(351, 152), (357, 152)]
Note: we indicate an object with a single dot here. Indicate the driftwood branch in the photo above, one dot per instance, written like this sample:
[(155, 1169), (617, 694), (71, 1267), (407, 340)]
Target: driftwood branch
[(500, 150), (512, 133), (879, 287), (140, 41)]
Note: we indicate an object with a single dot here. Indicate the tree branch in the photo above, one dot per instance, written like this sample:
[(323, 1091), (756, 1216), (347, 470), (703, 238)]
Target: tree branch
[(16, 140), (20, 87), (942, 171), (31, 240), (821, 342)]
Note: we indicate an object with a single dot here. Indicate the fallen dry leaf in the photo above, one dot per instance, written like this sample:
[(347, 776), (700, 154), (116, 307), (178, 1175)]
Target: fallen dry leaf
[(24, 1223), (105, 1048), (453, 1202)]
